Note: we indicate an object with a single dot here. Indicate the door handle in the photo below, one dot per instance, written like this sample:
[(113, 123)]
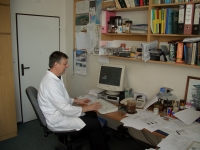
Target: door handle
[(22, 68)]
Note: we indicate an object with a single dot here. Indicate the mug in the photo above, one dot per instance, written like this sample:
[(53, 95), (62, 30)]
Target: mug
[(131, 106)]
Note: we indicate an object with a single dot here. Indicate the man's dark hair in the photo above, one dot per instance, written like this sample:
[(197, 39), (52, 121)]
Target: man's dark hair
[(56, 57)]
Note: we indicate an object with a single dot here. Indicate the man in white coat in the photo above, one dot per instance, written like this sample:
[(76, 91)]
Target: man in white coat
[(58, 108)]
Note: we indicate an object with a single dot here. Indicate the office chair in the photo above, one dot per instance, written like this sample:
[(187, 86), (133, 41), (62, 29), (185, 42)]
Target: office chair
[(31, 93)]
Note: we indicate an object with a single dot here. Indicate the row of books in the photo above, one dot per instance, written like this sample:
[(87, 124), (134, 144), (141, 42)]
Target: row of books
[(184, 52), (130, 3), (183, 20), (171, 1)]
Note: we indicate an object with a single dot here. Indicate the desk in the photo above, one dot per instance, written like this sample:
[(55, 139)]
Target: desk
[(119, 115)]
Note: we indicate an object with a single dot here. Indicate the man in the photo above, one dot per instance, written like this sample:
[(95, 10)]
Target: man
[(58, 108)]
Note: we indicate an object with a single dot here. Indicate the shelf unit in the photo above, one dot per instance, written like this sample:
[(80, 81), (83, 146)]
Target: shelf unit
[(149, 36)]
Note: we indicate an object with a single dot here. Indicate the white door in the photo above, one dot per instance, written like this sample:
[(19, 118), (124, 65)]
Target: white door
[(37, 38)]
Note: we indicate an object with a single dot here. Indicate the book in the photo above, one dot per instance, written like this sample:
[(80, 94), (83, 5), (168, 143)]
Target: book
[(194, 49), (174, 22), (189, 52), (188, 19), (198, 54), (196, 24), (172, 49), (181, 19), (122, 3), (179, 53)]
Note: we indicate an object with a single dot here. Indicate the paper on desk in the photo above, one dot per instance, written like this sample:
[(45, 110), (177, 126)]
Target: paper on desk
[(95, 91), (195, 146), (90, 97), (151, 101), (175, 142), (135, 123), (149, 120), (188, 115)]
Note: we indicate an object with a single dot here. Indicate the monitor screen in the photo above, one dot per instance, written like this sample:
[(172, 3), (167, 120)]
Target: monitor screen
[(111, 77)]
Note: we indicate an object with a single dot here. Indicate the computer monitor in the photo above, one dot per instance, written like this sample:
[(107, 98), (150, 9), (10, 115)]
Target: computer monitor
[(111, 78)]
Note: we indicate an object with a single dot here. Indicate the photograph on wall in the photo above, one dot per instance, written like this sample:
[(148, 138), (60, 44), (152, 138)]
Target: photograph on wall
[(80, 62), (192, 91), (82, 19)]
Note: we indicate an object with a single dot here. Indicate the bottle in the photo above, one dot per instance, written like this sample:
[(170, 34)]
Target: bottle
[(127, 27), (124, 25), (109, 27), (182, 104)]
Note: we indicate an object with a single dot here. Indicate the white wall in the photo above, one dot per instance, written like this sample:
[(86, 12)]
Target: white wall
[(45, 7)]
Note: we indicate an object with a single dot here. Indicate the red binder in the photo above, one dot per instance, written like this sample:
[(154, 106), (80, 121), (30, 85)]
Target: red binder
[(189, 18)]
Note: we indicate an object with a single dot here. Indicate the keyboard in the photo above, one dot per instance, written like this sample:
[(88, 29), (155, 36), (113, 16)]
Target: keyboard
[(107, 107)]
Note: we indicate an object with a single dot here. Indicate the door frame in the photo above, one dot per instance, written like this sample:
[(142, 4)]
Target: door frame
[(18, 62)]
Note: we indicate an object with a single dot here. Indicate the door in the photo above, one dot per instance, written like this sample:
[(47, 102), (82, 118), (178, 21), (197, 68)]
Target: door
[(37, 38)]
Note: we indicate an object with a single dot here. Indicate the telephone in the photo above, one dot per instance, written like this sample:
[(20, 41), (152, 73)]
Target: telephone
[(140, 102)]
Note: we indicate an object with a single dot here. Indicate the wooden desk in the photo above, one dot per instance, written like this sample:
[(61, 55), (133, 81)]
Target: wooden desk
[(119, 115)]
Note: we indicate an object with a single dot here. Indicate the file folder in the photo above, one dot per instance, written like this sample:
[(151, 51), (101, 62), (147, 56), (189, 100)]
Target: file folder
[(105, 18), (181, 19), (189, 18), (196, 25)]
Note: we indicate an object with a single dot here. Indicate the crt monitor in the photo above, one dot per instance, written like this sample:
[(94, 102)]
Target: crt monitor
[(111, 78)]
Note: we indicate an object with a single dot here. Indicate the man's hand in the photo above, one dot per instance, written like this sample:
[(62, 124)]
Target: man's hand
[(84, 101), (91, 107)]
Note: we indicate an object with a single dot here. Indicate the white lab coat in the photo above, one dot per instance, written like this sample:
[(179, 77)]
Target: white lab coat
[(56, 105)]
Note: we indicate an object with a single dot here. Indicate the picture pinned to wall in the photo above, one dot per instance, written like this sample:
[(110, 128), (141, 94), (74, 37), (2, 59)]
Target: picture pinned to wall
[(80, 62), (82, 7), (81, 28), (192, 91), (97, 39), (82, 19), (92, 11), (98, 10)]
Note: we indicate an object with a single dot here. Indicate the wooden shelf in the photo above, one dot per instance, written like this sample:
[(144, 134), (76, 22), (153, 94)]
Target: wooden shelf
[(132, 9), (177, 35), (124, 34), (173, 4), (151, 61)]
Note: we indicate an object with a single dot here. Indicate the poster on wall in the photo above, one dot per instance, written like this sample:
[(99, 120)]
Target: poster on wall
[(80, 62)]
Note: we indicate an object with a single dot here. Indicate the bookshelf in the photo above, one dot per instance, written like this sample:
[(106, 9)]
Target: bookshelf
[(149, 36)]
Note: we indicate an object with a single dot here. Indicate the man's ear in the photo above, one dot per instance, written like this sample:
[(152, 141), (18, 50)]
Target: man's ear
[(55, 64)]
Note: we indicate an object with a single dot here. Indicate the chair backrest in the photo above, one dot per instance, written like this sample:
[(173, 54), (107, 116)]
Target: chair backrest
[(31, 92)]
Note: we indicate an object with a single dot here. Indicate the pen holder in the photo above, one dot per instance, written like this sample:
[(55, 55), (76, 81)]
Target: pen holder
[(131, 106)]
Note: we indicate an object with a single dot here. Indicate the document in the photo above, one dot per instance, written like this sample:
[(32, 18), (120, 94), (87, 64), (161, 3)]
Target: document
[(188, 115), (175, 142), (82, 40), (151, 101)]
